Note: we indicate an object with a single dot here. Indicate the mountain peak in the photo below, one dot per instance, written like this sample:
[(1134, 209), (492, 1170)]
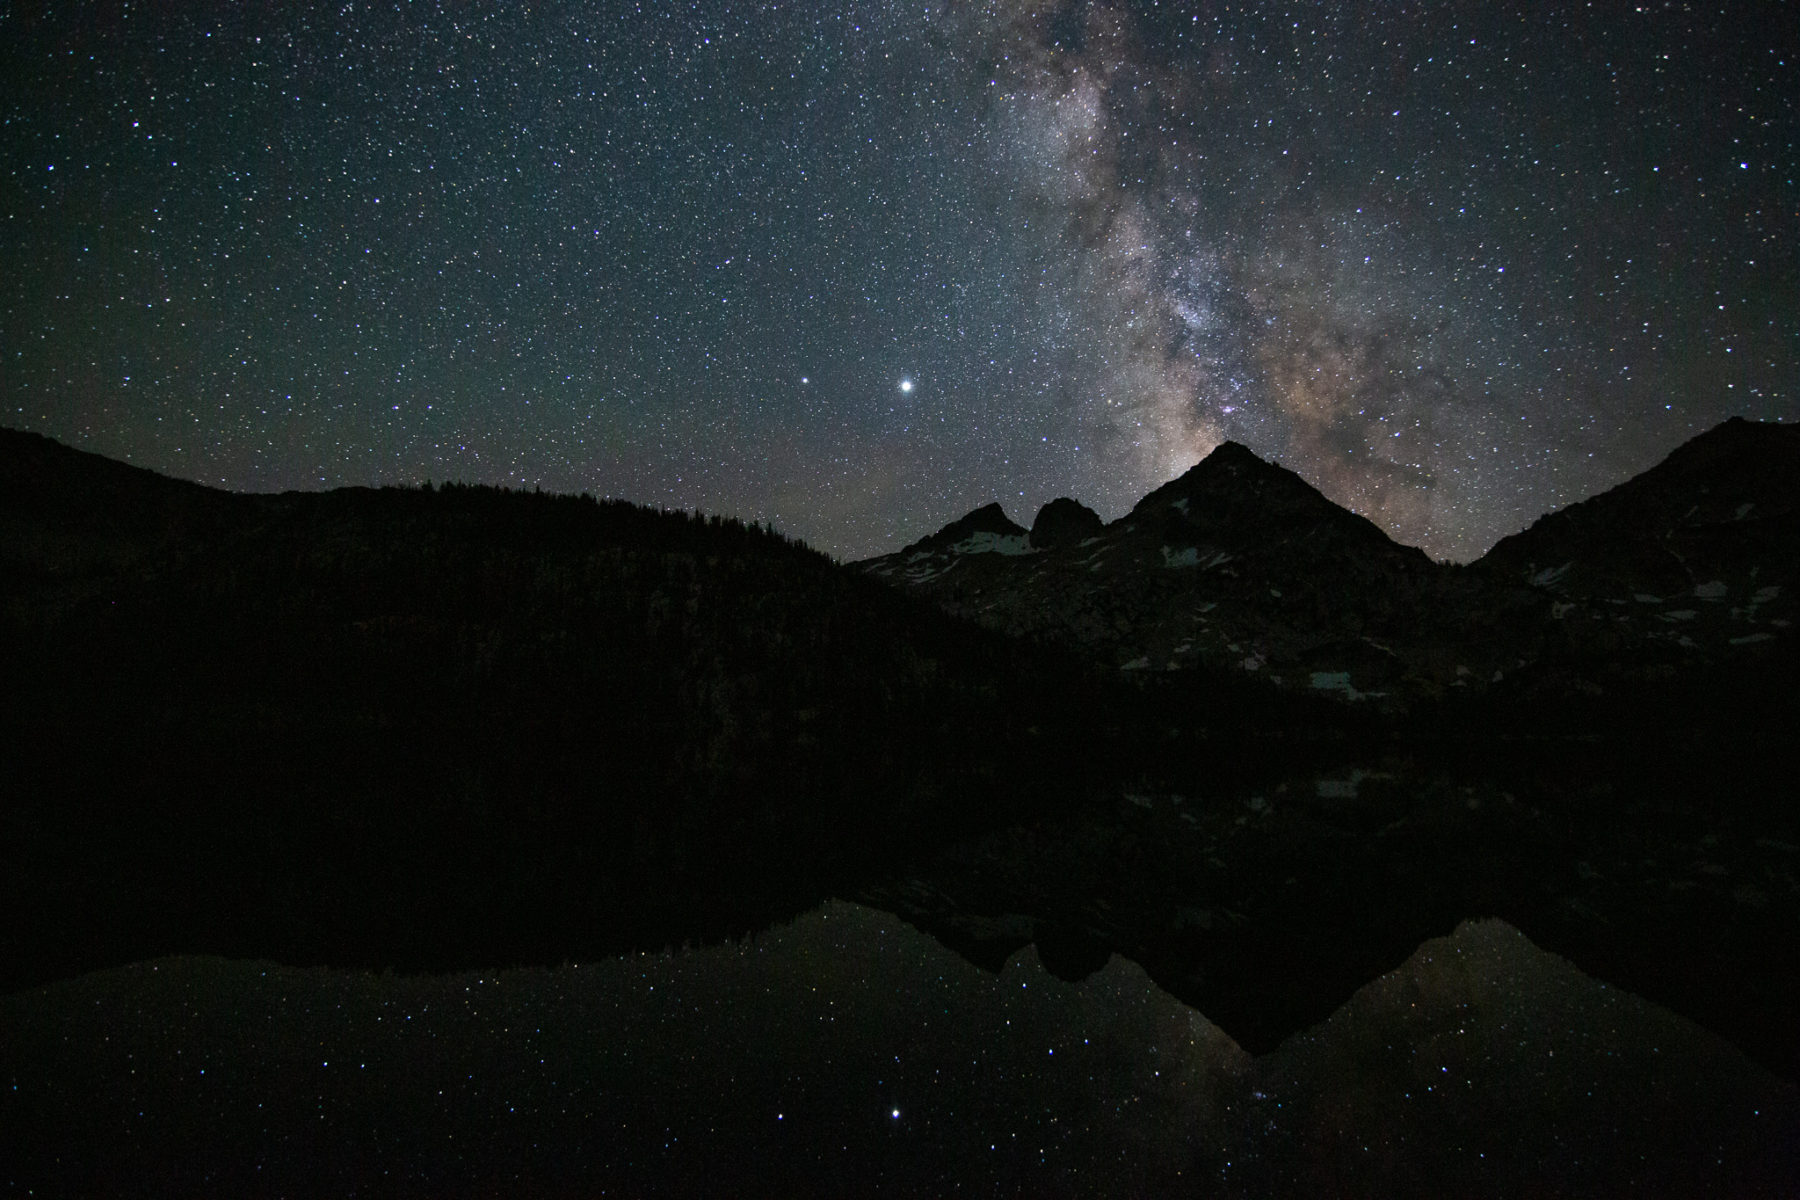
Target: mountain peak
[(989, 518), (1228, 450), (1231, 478), (1064, 522)]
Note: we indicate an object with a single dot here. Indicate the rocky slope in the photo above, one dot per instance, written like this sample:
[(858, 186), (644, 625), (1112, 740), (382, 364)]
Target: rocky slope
[(1691, 565), (1242, 566)]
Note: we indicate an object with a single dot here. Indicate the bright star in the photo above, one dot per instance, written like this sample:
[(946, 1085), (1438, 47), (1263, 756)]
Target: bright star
[(906, 385)]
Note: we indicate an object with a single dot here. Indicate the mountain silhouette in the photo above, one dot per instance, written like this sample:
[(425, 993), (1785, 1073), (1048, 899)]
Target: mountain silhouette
[(1241, 566)]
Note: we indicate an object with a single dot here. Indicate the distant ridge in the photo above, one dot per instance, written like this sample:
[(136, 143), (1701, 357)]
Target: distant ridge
[(1738, 483), (1240, 565)]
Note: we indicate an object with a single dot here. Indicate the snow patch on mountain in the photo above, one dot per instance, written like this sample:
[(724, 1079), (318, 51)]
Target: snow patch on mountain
[(1189, 557), (1550, 575), (1339, 681), (1011, 544)]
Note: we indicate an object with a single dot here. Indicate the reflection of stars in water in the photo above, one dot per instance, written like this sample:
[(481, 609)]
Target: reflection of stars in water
[(831, 1021), (1016, 1084)]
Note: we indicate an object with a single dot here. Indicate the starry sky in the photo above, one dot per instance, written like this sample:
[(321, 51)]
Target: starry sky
[(855, 269)]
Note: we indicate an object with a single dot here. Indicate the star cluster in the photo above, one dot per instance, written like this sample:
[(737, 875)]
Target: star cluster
[(855, 269)]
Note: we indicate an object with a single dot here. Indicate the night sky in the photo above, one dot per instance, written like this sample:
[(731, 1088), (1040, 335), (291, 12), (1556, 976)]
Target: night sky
[(855, 269)]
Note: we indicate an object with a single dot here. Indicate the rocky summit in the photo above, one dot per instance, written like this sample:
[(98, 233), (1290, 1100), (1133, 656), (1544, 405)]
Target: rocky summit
[(1241, 566), (1064, 522)]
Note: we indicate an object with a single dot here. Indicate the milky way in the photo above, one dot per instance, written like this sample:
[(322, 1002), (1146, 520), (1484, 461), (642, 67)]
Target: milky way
[(1456, 265), (1296, 234)]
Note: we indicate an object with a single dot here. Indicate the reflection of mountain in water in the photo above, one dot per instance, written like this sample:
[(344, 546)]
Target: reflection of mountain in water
[(1264, 902), (1480, 1066)]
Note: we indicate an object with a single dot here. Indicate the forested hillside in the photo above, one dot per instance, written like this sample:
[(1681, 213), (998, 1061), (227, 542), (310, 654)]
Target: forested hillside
[(432, 726)]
